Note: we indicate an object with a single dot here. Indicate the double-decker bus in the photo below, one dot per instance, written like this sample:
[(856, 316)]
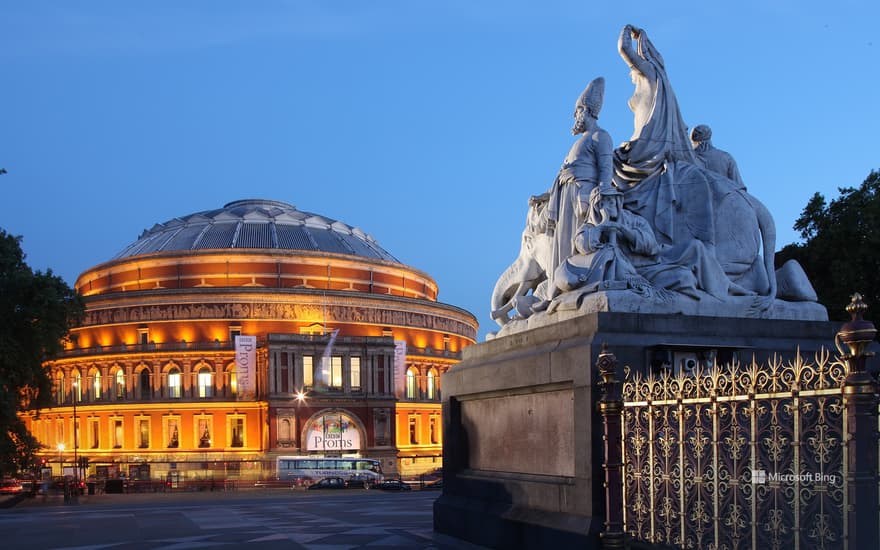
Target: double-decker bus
[(303, 469)]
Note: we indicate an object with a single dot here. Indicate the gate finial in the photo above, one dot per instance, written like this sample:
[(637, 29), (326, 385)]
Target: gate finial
[(857, 334)]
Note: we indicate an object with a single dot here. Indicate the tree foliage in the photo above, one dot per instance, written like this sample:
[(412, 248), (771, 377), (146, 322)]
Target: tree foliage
[(841, 246), (36, 312)]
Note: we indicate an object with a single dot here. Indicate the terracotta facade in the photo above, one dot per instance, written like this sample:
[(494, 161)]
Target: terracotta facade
[(354, 342)]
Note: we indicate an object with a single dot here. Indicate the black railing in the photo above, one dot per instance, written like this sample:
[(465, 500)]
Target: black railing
[(152, 387), (225, 345)]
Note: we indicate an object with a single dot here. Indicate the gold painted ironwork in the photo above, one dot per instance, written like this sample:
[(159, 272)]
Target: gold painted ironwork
[(693, 443)]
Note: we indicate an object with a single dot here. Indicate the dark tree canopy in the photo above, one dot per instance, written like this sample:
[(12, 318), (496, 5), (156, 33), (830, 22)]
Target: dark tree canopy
[(841, 246), (36, 312)]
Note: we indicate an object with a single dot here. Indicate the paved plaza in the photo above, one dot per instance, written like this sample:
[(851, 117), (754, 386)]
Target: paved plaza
[(255, 520)]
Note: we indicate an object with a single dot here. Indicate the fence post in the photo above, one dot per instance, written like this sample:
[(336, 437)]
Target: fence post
[(860, 392), (611, 407)]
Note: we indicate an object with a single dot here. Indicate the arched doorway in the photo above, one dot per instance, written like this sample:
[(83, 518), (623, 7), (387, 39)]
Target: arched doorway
[(334, 432)]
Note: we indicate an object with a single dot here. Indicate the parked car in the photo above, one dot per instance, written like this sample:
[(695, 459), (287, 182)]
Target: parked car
[(10, 486), (329, 483), (29, 485), (360, 481), (301, 482), (435, 485), (392, 485), (115, 486)]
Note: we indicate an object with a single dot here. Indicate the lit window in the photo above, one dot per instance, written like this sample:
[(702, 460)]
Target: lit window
[(117, 433), (77, 387), (308, 371), (432, 384), (172, 432), (96, 385), (120, 384), (336, 371), (413, 431), (59, 388), (145, 385), (206, 382), (236, 431), (174, 386), (233, 381), (203, 432), (143, 433), (411, 386), (435, 432), (323, 374), (355, 373), (94, 433), (315, 329)]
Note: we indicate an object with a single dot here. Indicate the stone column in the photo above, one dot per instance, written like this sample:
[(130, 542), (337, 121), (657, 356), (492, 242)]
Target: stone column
[(860, 394), (611, 408)]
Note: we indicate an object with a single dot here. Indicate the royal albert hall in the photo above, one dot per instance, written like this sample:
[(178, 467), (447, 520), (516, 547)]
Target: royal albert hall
[(340, 352)]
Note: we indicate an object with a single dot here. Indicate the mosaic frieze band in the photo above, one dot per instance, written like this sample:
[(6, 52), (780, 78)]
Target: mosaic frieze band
[(276, 311)]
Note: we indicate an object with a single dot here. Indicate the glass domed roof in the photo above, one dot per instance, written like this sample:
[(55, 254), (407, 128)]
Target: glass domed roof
[(256, 223)]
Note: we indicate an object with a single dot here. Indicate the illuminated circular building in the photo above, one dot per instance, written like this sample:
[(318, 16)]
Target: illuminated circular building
[(340, 351)]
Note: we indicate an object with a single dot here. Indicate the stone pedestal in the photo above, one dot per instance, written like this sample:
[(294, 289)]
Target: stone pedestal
[(522, 468)]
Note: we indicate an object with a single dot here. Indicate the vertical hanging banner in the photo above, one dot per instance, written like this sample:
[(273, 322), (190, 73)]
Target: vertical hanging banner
[(246, 366), (399, 368)]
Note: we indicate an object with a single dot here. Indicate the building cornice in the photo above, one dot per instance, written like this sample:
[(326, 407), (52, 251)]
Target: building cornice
[(278, 305)]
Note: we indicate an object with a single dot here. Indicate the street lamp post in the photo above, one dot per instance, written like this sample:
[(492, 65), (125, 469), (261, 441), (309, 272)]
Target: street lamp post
[(61, 458), (75, 443), (300, 397), (63, 478)]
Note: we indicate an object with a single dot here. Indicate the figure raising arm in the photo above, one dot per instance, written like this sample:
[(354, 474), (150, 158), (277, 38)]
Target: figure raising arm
[(659, 133), (635, 60)]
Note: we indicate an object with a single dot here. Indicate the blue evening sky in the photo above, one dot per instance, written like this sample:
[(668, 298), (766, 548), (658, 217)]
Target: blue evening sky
[(428, 124)]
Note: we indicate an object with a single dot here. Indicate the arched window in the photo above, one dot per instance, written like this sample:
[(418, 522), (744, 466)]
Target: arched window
[(96, 384), (206, 382), (120, 384), (59, 388), (432, 384), (232, 380), (144, 380), (174, 383), (76, 386), (412, 388)]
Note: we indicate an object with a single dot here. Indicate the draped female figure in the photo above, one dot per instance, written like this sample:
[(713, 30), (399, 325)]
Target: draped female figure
[(659, 133), (663, 182)]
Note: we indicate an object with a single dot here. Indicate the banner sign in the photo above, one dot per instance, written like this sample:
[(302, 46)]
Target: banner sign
[(246, 366), (399, 368), (333, 432)]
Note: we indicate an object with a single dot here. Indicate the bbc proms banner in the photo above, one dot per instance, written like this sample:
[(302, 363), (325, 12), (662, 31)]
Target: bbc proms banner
[(246, 366), (399, 368), (333, 432)]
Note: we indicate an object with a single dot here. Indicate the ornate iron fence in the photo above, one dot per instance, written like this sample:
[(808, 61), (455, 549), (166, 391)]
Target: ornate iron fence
[(737, 457), (782, 455)]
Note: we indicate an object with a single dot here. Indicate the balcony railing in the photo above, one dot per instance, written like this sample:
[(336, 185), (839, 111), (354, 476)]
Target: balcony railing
[(230, 345), (146, 388), (150, 347)]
